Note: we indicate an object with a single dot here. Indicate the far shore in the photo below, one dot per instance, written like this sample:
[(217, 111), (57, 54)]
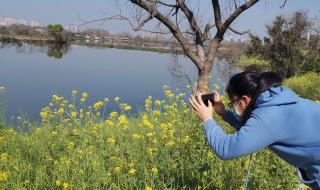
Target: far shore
[(132, 45)]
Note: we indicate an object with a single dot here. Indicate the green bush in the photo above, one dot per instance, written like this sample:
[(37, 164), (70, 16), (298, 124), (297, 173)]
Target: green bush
[(307, 85)]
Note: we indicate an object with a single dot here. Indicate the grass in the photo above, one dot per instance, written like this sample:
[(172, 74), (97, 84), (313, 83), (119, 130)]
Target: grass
[(307, 85), (247, 61)]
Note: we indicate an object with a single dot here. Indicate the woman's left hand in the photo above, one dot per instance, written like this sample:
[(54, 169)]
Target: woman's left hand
[(202, 110)]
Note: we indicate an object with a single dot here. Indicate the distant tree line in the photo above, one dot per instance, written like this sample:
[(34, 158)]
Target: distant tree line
[(57, 31)]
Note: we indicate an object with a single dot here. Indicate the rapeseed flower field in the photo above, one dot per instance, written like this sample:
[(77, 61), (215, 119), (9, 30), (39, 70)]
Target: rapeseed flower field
[(163, 147)]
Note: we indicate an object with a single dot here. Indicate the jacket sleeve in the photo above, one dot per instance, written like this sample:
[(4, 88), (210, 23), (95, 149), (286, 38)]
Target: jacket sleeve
[(231, 119), (251, 137)]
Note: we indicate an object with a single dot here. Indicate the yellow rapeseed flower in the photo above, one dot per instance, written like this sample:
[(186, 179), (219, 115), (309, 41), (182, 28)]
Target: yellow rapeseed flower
[(186, 139), (146, 122), (84, 95), (82, 100), (74, 114), (157, 103), (2, 89), (132, 171), (4, 156), (74, 93), (156, 113), (151, 150), (125, 107), (151, 134), (170, 143), (98, 105), (111, 140), (210, 154), (168, 93), (136, 136), (148, 103), (3, 176), (148, 188), (154, 171), (54, 133), (70, 145), (117, 169), (61, 111), (122, 121), (109, 123), (113, 114), (116, 99), (58, 183), (65, 185)]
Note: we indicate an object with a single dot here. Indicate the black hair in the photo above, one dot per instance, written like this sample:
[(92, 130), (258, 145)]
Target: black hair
[(251, 84)]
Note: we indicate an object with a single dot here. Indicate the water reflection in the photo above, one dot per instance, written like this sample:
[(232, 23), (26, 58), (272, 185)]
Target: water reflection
[(52, 50)]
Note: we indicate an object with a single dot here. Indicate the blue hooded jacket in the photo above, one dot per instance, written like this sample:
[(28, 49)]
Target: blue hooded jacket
[(286, 123)]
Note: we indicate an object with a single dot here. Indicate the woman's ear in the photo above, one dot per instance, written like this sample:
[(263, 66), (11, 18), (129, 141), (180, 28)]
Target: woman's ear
[(247, 99)]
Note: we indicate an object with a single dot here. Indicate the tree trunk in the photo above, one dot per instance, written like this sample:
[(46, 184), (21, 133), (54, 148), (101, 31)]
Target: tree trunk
[(204, 77), (204, 72)]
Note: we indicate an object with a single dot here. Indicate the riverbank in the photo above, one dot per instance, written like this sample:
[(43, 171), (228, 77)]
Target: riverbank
[(29, 39), (161, 47)]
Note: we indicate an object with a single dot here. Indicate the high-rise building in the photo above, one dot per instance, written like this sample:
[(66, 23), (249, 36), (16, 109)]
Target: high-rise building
[(12, 21)]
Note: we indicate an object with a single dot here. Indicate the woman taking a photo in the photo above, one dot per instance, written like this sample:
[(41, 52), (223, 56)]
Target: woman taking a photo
[(265, 114)]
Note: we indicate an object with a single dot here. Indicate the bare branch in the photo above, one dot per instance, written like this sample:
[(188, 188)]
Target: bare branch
[(207, 29), (237, 32), (164, 4), (192, 21), (237, 12), (120, 17), (283, 4), (173, 29), (235, 4), (217, 13)]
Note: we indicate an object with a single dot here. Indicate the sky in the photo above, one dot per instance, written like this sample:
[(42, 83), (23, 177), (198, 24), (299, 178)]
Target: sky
[(70, 11)]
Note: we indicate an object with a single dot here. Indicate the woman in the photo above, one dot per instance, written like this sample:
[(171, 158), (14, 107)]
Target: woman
[(265, 113)]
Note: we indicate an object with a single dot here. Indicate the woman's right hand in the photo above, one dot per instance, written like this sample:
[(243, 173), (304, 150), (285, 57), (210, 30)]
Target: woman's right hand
[(218, 106)]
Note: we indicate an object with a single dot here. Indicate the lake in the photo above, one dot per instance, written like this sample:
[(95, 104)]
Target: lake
[(31, 74)]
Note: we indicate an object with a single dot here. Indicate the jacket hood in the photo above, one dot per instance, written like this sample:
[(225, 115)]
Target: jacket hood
[(278, 95)]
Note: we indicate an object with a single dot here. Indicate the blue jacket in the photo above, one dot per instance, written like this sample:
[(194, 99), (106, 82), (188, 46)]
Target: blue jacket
[(286, 123)]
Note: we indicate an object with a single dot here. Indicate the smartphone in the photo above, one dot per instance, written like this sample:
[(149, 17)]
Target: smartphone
[(206, 97)]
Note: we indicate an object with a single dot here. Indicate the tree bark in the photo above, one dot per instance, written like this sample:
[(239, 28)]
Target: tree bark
[(204, 78), (204, 72)]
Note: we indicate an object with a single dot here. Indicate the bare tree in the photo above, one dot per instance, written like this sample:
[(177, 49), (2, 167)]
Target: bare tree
[(182, 19)]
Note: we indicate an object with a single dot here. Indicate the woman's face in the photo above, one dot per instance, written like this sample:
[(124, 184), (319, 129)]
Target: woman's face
[(240, 103)]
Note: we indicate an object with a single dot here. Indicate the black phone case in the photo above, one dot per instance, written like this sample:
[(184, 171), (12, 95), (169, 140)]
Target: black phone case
[(206, 97)]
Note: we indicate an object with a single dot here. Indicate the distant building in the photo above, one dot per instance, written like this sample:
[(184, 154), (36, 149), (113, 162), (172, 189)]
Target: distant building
[(236, 38), (72, 27), (12, 21), (34, 23)]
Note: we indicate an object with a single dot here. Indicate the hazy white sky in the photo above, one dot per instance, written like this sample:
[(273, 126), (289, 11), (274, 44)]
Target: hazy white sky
[(69, 11)]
